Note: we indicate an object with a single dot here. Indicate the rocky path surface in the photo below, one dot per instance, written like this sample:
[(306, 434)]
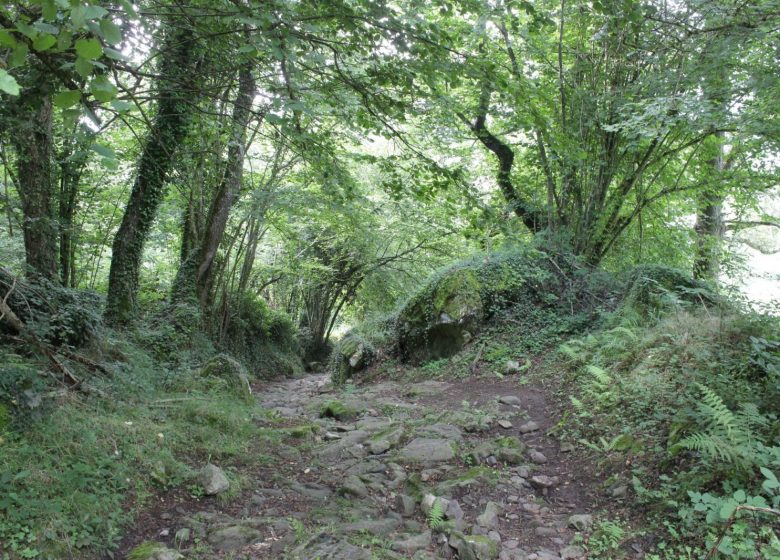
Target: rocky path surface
[(461, 469)]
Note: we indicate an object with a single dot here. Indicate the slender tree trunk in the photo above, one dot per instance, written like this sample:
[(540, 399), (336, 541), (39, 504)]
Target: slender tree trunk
[(229, 189), (33, 143), (71, 168), (709, 225), (168, 130)]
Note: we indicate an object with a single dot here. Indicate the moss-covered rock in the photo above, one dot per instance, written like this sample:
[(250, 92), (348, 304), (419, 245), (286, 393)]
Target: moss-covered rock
[(153, 551), (224, 370), (338, 410), (445, 314), (352, 354)]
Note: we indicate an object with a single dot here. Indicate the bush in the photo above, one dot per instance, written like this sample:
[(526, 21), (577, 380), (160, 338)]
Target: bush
[(264, 339), (692, 397), (57, 315)]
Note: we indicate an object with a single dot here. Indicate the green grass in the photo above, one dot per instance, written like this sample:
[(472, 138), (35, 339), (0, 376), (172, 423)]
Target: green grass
[(69, 471)]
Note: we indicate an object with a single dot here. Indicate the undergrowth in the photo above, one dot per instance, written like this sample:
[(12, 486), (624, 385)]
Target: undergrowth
[(76, 466), (682, 405)]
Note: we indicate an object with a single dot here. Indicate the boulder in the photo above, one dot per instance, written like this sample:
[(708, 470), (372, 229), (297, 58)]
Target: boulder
[(213, 480), (441, 318), (427, 450), (224, 370), (351, 355)]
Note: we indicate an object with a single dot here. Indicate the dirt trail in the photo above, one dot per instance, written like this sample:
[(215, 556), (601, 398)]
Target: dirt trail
[(362, 484)]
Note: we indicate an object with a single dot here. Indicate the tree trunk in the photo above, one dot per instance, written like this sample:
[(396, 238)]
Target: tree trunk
[(33, 143), (198, 270), (168, 130), (72, 163), (709, 225)]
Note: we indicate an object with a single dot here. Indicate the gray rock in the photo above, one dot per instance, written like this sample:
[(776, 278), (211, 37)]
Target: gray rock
[(506, 424), (405, 505), (231, 538), (382, 526), (529, 427), (353, 486), (544, 481), (546, 532), (473, 547), (537, 457), (510, 455), (425, 450), (581, 521), (619, 491), (155, 551), (311, 490), (572, 552), (324, 546), (512, 367), (213, 480), (378, 447), (510, 399), (489, 518), (412, 543), (445, 431), (454, 511), (513, 554)]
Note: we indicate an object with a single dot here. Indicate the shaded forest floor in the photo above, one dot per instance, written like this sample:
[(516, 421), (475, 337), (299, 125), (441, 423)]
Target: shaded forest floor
[(362, 484)]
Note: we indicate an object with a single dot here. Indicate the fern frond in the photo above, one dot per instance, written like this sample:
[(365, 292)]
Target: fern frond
[(436, 515)]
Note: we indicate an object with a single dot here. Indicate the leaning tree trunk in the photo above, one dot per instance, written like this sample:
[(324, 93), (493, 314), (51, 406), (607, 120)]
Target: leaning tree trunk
[(197, 271), (33, 143), (168, 130)]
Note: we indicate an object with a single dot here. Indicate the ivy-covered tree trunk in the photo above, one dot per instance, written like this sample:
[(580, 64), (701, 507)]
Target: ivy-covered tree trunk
[(33, 143), (72, 162), (197, 271), (168, 130)]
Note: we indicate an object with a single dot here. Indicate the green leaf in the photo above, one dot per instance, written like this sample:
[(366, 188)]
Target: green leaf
[(740, 496), (771, 482), (19, 55), (102, 89), (8, 83), (727, 509), (7, 38), (66, 99), (44, 42), (111, 31), (121, 106), (102, 150), (83, 67), (89, 49), (49, 10), (80, 15)]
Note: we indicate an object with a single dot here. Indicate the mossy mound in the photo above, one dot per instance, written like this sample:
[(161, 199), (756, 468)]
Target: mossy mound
[(58, 315), (352, 354), (224, 370), (652, 289), (451, 308)]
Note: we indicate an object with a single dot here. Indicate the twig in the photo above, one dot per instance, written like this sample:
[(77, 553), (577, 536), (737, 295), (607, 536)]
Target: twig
[(473, 367), (730, 522)]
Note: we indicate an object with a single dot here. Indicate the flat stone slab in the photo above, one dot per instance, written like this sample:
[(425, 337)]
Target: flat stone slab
[(427, 450)]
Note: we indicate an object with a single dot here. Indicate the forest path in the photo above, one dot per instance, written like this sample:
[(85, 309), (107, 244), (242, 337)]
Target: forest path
[(352, 483)]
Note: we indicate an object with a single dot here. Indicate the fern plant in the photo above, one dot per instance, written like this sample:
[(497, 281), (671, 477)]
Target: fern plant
[(730, 437), (436, 515)]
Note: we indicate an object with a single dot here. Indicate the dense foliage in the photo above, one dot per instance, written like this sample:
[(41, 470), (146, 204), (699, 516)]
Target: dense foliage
[(249, 180)]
